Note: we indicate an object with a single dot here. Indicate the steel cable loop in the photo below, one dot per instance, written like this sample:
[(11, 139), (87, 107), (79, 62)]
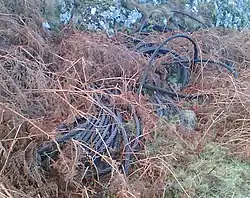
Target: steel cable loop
[(157, 93), (100, 135), (148, 48), (49, 149), (183, 70), (183, 73), (150, 62), (118, 119)]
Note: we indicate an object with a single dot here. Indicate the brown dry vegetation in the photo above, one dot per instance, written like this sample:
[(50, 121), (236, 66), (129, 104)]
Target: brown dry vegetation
[(43, 82)]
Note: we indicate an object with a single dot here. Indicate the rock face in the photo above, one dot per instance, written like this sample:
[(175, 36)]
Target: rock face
[(113, 15), (92, 14), (223, 13)]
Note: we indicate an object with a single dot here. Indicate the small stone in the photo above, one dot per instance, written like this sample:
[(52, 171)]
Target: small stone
[(189, 118)]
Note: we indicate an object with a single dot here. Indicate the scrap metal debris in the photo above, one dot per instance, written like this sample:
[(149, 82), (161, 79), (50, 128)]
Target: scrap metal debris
[(99, 135), (107, 133)]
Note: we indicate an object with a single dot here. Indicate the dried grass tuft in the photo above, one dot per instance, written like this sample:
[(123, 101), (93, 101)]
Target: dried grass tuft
[(226, 117)]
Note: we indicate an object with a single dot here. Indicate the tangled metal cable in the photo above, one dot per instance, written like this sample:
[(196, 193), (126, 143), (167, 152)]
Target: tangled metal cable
[(108, 133), (160, 96), (99, 136)]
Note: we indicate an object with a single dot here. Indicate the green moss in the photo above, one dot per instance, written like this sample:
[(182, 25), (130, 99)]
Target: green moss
[(214, 174)]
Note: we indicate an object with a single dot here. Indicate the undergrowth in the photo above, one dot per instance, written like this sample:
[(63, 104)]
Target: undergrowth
[(43, 82), (212, 173)]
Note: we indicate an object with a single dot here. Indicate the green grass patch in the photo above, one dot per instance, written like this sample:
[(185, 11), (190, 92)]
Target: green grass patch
[(214, 174)]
